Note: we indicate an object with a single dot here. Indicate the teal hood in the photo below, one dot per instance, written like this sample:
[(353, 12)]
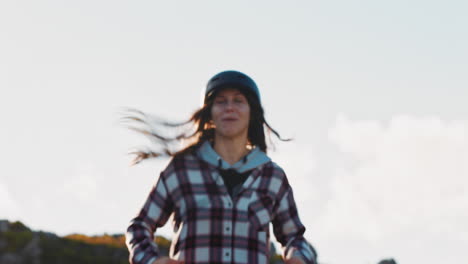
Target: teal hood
[(252, 160)]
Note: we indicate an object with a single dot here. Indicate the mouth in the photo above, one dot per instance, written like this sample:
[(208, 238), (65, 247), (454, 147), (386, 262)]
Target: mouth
[(229, 119)]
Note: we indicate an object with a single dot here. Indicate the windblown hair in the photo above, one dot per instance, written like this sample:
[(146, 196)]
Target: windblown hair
[(193, 132)]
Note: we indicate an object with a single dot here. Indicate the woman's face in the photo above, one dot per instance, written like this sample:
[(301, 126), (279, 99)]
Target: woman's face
[(230, 114)]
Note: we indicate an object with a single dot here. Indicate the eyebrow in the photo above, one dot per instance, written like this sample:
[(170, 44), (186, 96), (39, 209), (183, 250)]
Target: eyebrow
[(235, 94)]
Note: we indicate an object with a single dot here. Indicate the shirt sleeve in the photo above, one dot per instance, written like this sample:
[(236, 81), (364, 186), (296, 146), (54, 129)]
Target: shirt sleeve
[(154, 214), (289, 230)]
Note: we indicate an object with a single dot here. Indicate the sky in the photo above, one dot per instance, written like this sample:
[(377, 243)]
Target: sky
[(372, 92)]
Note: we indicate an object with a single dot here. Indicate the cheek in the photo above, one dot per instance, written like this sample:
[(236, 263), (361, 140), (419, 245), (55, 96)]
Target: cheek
[(246, 112), (246, 116), (214, 112)]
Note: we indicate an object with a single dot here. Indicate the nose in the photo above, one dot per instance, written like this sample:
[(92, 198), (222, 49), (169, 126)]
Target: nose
[(229, 106)]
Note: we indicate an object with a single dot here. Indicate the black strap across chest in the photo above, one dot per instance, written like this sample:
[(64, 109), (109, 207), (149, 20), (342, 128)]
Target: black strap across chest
[(233, 180)]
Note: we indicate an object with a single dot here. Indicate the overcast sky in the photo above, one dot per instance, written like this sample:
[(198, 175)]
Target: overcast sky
[(373, 92)]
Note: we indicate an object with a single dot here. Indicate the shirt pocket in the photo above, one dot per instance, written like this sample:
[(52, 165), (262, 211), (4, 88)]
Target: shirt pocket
[(260, 211)]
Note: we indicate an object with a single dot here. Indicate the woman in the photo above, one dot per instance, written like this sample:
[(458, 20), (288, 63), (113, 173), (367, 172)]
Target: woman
[(222, 191)]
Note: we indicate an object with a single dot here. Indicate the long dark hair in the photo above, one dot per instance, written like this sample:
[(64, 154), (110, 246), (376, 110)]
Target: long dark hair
[(193, 132)]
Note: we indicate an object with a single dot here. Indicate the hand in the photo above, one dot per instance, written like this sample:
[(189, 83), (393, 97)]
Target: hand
[(166, 260), (294, 260)]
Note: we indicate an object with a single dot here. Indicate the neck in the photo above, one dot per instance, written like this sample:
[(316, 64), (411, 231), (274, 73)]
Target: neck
[(231, 150)]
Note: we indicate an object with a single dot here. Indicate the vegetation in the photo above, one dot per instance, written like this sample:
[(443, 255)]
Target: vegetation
[(15, 240), (109, 240), (67, 250), (77, 248), (71, 249)]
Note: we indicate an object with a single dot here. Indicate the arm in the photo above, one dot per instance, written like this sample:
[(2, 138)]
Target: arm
[(166, 260), (289, 230), (154, 214)]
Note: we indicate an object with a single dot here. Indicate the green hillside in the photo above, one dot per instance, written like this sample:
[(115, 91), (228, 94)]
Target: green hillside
[(19, 244)]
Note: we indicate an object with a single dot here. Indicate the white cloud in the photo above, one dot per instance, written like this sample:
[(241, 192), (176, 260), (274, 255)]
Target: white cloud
[(83, 185), (9, 209), (299, 161), (407, 178)]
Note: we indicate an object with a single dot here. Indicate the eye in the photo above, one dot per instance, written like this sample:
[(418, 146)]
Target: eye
[(220, 101), (239, 100)]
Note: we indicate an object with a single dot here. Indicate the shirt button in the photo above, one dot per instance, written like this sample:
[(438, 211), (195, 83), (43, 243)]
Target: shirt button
[(227, 254), (227, 229), (229, 204)]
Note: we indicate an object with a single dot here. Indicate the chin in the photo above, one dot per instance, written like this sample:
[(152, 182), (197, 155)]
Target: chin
[(231, 134)]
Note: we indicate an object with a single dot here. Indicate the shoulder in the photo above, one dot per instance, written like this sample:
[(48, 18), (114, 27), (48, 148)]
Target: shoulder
[(274, 179), (183, 172), (181, 163), (275, 171)]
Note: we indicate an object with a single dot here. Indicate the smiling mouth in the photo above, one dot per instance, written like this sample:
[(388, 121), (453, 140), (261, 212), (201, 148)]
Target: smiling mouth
[(229, 119)]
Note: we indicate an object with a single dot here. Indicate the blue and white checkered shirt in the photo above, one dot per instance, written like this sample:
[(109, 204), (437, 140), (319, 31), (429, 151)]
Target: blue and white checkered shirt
[(211, 226)]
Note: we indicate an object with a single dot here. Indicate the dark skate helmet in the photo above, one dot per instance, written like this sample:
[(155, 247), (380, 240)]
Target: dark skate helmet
[(231, 79)]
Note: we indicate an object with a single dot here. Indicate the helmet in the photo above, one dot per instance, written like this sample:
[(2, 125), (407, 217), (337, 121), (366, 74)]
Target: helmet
[(232, 79)]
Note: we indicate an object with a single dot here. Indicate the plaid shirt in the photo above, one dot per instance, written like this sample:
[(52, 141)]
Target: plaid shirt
[(212, 227)]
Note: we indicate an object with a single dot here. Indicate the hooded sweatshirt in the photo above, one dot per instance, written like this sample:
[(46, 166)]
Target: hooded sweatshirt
[(212, 226), (233, 175)]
